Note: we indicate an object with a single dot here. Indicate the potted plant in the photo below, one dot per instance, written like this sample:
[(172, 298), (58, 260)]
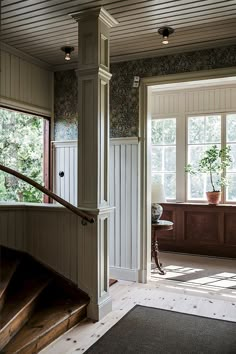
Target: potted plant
[(213, 162)]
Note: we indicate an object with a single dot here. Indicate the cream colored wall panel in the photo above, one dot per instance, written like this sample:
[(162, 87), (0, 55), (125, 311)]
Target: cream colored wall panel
[(25, 81), (25, 85), (15, 77), (5, 74), (233, 97), (124, 235), (166, 104), (194, 101), (51, 234), (12, 232), (53, 239), (218, 99), (65, 160)]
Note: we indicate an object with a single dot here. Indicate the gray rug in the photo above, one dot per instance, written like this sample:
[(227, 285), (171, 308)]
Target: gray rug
[(151, 330)]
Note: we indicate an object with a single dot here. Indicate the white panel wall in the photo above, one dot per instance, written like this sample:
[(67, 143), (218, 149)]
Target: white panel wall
[(25, 85), (53, 238), (50, 233), (124, 231), (215, 99), (65, 160), (12, 227)]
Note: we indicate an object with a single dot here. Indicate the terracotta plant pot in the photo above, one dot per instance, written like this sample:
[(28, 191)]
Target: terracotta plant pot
[(213, 197)]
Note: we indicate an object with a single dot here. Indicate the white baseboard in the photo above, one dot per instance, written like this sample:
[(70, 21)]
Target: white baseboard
[(124, 274), (98, 311)]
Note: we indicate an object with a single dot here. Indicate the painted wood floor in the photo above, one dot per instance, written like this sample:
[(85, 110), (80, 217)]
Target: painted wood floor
[(213, 302)]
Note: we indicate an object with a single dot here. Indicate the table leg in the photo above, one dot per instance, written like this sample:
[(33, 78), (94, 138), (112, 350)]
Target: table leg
[(155, 255)]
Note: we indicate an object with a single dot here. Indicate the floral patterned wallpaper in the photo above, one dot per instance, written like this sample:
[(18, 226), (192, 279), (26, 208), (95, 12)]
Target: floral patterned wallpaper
[(65, 105), (124, 99)]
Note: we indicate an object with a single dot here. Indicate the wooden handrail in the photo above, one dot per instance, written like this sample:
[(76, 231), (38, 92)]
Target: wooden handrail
[(86, 217)]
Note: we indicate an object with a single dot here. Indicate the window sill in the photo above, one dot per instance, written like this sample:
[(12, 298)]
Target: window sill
[(199, 204)]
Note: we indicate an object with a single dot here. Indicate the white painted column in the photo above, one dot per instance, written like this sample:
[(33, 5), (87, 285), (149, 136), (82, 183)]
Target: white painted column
[(93, 191)]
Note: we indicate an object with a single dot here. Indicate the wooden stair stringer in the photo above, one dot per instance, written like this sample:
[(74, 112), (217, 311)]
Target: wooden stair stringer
[(45, 326)]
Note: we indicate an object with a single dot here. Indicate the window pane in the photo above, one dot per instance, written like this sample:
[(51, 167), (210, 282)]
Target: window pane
[(170, 185), (157, 177), (157, 131), (164, 154), (195, 153), (196, 187), (170, 158), (231, 128), (231, 189), (204, 129), (157, 162), (212, 129), (196, 130), (169, 132), (232, 167)]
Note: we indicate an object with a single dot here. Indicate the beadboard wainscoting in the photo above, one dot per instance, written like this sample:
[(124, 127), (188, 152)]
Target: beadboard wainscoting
[(12, 226), (50, 233), (124, 226), (124, 184), (65, 170), (53, 237), (24, 84)]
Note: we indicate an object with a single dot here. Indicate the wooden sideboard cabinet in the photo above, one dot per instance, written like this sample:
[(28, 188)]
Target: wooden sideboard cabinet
[(200, 229)]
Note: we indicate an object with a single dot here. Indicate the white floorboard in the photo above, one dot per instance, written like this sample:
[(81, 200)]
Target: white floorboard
[(161, 293)]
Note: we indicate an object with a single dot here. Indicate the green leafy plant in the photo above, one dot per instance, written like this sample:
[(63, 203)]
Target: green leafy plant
[(214, 162), (21, 148)]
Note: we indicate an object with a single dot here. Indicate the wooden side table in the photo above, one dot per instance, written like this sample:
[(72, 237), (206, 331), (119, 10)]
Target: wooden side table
[(162, 225)]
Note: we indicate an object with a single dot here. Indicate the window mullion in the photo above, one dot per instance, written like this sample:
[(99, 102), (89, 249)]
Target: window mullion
[(223, 144), (180, 159)]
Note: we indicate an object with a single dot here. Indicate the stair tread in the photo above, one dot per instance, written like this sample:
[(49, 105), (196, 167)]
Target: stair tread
[(27, 283), (18, 302), (46, 318)]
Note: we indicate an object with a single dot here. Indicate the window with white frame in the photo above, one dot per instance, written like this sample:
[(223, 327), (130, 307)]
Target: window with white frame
[(202, 131), (231, 171), (164, 154)]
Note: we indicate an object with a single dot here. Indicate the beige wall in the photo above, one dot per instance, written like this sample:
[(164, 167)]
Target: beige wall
[(24, 84)]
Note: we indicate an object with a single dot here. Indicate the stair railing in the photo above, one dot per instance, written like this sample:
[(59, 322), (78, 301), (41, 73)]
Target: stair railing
[(85, 216)]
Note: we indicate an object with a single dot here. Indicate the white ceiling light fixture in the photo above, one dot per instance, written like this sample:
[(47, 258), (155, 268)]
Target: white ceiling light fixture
[(165, 31), (67, 50)]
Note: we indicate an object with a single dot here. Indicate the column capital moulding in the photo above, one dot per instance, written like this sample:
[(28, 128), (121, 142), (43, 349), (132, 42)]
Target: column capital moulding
[(103, 73), (98, 12)]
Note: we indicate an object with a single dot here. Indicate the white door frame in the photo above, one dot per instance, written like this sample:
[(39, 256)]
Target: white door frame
[(145, 152)]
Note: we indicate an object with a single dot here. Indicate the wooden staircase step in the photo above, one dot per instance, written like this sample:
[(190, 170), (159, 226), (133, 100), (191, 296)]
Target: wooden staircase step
[(8, 265), (25, 288), (55, 314)]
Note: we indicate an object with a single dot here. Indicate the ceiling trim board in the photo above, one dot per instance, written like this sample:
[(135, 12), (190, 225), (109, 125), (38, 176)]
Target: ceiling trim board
[(25, 56)]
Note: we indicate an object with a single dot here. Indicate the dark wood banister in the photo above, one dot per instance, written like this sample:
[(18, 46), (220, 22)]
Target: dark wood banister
[(86, 217)]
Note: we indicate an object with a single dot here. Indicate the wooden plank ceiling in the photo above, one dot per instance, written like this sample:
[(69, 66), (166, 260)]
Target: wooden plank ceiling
[(41, 27)]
